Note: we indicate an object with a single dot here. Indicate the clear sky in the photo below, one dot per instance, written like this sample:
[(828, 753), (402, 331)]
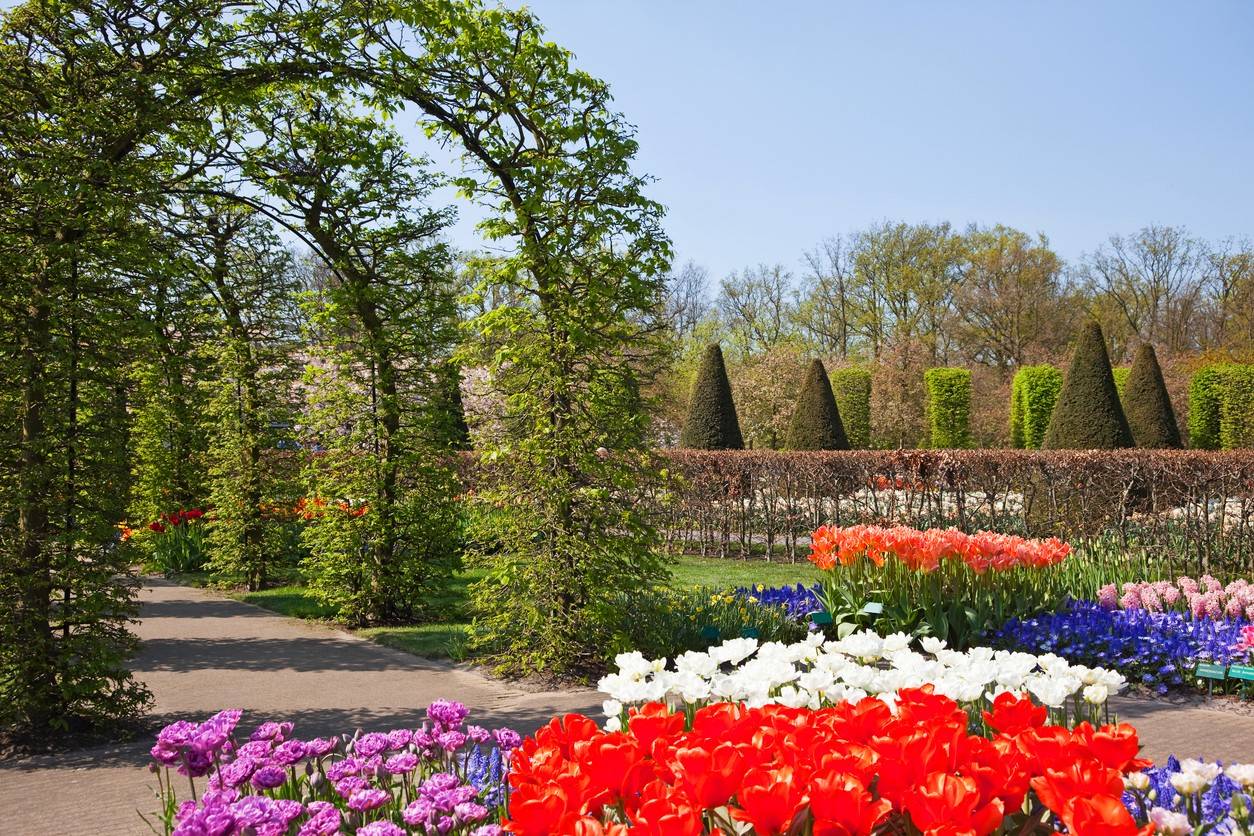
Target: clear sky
[(771, 125)]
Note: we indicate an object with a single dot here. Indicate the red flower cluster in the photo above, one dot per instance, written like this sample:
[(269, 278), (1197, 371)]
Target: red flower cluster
[(924, 550), (838, 771), (175, 519)]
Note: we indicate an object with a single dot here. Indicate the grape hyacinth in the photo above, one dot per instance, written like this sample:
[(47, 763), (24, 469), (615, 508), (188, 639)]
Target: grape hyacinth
[(1158, 650), (444, 777)]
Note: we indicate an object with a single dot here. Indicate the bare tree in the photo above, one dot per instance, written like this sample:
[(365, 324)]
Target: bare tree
[(826, 306), (1150, 287), (758, 308), (687, 303)]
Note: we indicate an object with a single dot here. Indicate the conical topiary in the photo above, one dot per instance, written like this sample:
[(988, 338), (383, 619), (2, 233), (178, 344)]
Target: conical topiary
[(816, 423), (712, 422), (1147, 405), (1088, 415)]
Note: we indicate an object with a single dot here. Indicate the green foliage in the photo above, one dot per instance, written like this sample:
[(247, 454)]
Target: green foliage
[(1120, 374), (851, 388), (1236, 414), (816, 421), (1147, 404), (711, 423), (1033, 393), (1088, 415), (448, 414), (664, 623), (1206, 394), (948, 407)]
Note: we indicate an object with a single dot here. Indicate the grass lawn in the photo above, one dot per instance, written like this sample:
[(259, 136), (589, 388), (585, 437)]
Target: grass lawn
[(446, 639)]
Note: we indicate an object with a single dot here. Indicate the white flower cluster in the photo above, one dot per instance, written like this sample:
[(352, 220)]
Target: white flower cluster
[(813, 673), (1194, 778)]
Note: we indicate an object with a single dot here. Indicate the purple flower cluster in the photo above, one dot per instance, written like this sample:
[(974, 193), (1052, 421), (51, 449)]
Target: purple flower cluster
[(445, 777)]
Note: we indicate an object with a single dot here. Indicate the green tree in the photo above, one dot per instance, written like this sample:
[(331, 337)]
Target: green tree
[(712, 423), (1088, 415), (1147, 404), (816, 423)]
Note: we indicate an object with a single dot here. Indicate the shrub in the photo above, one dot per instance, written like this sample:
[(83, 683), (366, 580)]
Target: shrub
[(851, 389), (1205, 406), (664, 622), (1147, 404), (816, 423), (1088, 415), (712, 423), (948, 407), (1032, 397), (1236, 413)]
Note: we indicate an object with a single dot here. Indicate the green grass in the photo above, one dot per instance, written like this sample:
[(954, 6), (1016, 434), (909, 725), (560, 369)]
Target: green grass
[(447, 638), (721, 572)]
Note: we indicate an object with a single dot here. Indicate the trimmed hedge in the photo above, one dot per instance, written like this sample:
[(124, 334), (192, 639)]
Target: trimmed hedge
[(1206, 394), (1236, 412), (1033, 393), (815, 423), (1088, 415), (1147, 404), (1221, 407), (712, 423), (948, 407), (851, 387)]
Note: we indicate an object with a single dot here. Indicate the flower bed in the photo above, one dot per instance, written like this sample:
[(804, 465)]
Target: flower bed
[(1181, 797), (445, 777), (1205, 597), (815, 673), (853, 768), (1158, 650), (938, 582), (798, 601)]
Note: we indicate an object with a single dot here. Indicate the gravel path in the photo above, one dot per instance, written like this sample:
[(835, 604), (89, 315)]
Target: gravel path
[(203, 652)]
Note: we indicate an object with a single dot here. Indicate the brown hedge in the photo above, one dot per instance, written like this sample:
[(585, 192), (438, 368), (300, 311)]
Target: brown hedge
[(742, 503)]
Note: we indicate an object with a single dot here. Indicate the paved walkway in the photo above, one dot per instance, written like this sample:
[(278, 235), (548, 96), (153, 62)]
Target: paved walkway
[(203, 652)]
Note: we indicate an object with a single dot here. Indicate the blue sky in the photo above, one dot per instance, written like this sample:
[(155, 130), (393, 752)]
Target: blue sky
[(773, 125)]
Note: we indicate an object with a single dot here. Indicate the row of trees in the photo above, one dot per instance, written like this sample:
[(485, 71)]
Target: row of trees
[(992, 296), (164, 347), (1087, 409)]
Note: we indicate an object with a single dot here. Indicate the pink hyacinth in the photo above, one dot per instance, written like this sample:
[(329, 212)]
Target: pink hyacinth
[(1130, 601)]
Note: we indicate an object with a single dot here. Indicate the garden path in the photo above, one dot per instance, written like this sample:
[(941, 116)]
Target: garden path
[(203, 652)]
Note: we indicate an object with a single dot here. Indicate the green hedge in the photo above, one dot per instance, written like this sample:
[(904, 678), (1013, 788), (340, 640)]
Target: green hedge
[(948, 407), (851, 385), (1033, 393), (1206, 394), (1236, 410)]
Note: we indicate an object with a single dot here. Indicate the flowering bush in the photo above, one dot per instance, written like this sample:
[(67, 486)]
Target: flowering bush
[(445, 777), (814, 673), (1182, 798), (1203, 598), (855, 768), (939, 582), (1158, 650)]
